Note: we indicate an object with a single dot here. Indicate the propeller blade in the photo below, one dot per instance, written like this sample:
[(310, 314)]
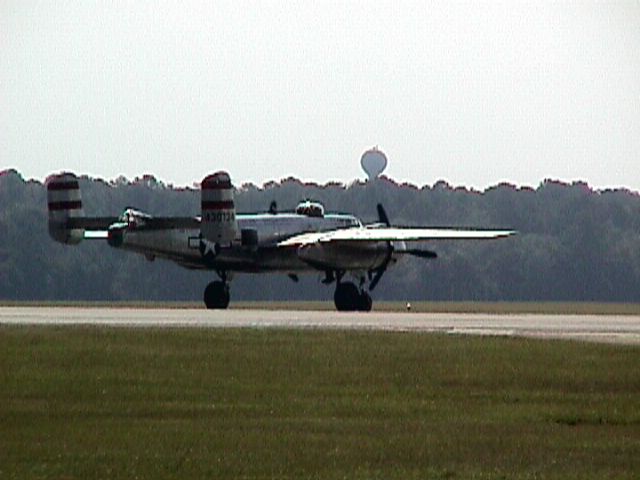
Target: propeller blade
[(377, 278), (382, 268), (422, 253), (383, 219), (382, 215)]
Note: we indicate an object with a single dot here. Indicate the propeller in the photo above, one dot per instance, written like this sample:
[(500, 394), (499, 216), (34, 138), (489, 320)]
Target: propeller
[(422, 253), (383, 219), (382, 215)]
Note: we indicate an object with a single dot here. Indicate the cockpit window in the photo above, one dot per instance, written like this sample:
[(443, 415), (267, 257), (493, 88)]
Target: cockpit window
[(349, 222), (310, 209)]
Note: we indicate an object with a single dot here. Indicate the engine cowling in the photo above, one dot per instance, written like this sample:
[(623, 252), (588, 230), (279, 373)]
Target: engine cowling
[(218, 223), (337, 256)]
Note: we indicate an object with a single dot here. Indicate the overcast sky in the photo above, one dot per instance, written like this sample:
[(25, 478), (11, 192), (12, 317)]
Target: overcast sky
[(472, 93)]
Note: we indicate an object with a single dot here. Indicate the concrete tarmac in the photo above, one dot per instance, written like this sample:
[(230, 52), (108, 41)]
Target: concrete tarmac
[(624, 329)]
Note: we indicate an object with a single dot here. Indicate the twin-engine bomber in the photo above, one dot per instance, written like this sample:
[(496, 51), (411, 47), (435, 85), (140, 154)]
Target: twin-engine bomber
[(306, 240)]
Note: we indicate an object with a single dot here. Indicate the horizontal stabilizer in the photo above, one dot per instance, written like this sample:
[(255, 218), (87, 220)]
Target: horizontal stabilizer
[(163, 223), (168, 223), (91, 223), (148, 223)]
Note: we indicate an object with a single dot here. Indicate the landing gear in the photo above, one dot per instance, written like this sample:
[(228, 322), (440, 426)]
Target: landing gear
[(365, 303), (216, 295), (349, 298)]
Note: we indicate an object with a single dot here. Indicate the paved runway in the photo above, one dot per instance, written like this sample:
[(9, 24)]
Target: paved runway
[(597, 328)]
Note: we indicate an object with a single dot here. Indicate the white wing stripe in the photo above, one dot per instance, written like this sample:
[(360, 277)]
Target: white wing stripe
[(394, 234)]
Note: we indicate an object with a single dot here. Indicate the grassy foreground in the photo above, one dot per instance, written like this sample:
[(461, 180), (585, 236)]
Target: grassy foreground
[(80, 403)]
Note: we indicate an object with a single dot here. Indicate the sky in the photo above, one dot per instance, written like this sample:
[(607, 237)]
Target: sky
[(473, 93)]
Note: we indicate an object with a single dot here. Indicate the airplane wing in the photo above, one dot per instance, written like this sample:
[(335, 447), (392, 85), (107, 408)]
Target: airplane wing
[(364, 234)]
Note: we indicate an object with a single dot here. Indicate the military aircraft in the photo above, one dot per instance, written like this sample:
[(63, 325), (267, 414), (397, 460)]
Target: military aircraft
[(306, 240)]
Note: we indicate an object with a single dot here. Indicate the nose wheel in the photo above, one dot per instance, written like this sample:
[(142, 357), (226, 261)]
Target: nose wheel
[(216, 295), (349, 298)]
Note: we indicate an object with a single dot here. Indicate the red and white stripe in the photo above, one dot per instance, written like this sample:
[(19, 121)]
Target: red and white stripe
[(63, 194), (218, 222), (64, 201)]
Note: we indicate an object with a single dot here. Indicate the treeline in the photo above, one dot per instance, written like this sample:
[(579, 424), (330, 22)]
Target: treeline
[(574, 243)]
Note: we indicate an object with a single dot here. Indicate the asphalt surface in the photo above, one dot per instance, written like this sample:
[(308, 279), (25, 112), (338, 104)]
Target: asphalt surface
[(624, 329)]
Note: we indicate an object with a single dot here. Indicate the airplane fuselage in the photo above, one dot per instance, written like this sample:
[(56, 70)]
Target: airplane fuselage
[(254, 249)]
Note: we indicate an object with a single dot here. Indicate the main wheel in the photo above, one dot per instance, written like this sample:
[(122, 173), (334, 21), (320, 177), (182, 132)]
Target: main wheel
[(364, 302), (216, 295), (346, 297)]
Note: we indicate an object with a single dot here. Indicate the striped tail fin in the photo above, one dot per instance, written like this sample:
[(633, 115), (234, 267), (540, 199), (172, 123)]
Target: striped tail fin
[(64, 203), (218, 223)]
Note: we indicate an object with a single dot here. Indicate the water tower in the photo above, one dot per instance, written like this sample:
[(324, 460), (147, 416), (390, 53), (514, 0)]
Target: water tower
[(373, 162)]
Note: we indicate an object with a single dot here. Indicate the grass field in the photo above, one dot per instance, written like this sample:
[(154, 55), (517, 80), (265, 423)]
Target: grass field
[(79, 403)]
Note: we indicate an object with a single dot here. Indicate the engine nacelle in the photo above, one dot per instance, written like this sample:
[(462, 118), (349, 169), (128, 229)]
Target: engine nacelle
[(218, 223), (64, 203), (367, 256)]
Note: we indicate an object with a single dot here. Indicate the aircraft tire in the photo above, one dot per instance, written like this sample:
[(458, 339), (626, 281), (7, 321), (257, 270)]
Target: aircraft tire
[(364, 302), (216, 295), (346, 297)]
